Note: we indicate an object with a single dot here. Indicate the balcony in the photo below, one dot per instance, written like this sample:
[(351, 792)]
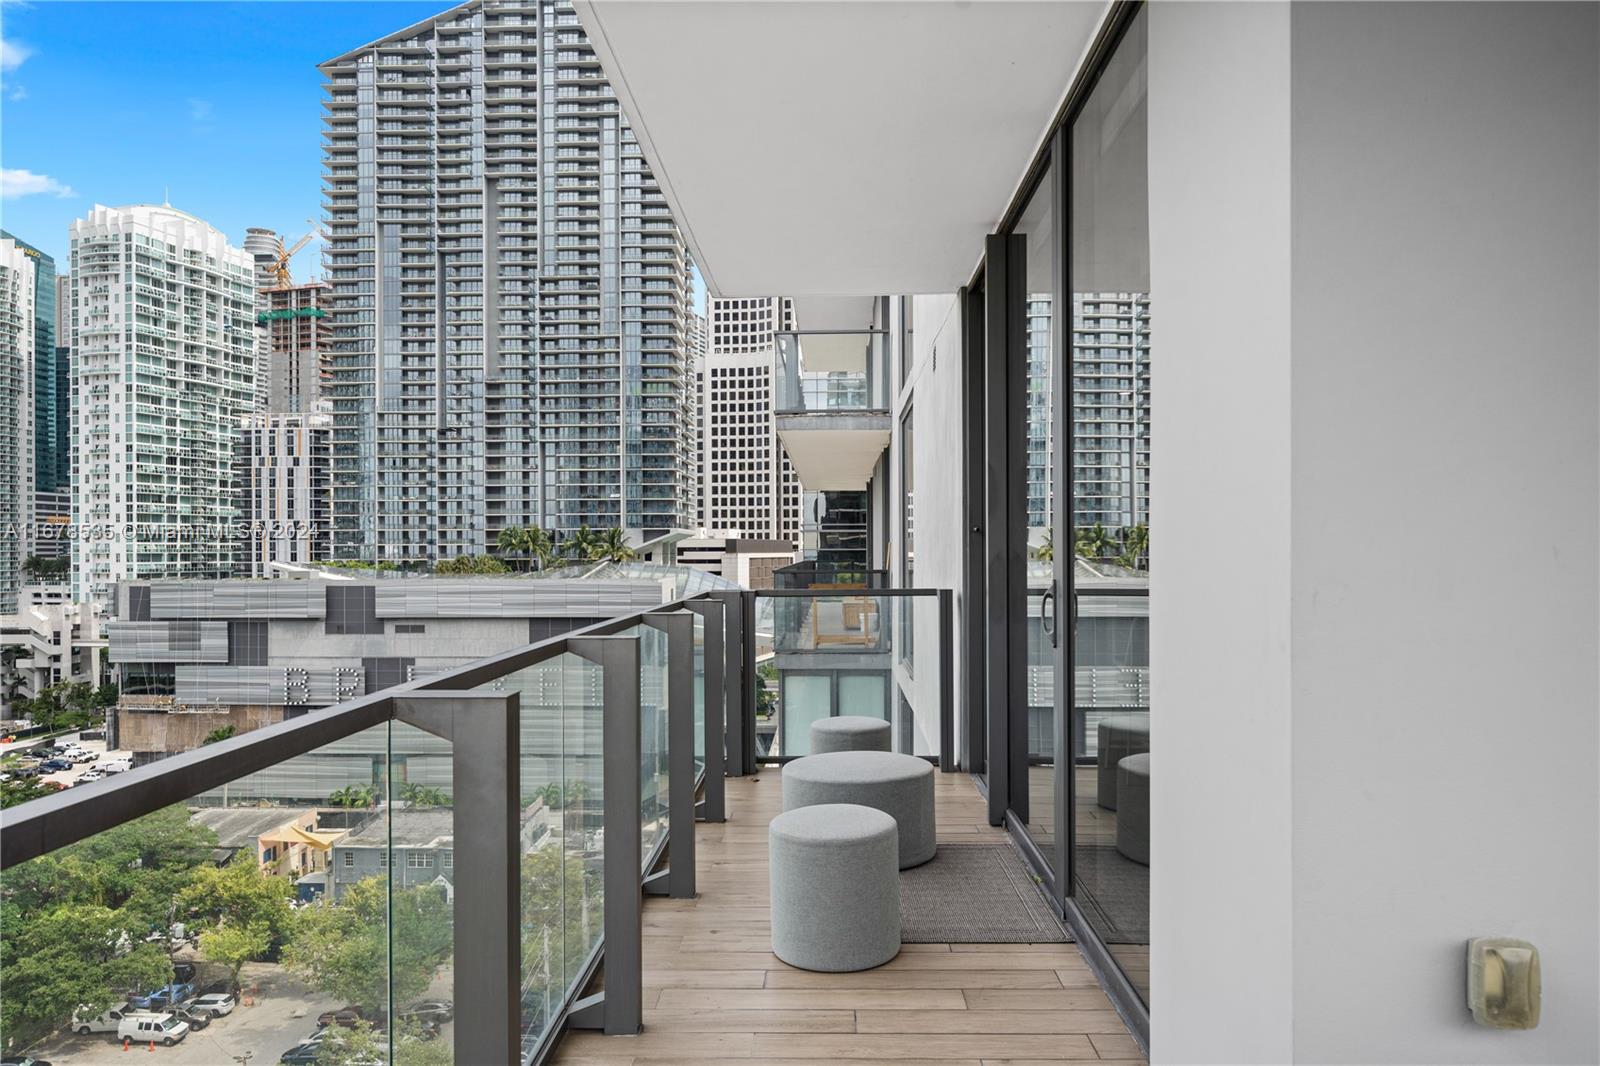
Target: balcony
[(608, 881), (831, 404)]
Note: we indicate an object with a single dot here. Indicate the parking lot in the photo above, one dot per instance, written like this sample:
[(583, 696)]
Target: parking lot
[(274, 1013), (66, 778)]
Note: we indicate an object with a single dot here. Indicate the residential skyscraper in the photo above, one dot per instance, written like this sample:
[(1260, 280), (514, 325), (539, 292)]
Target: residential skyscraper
[(1111, 408), (18, 322), (749, 483), (284, 466), (509, 292), (50, 430), (164, 371)]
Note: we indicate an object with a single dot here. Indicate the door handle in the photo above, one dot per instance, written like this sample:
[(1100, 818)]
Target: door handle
[(1047, 613)]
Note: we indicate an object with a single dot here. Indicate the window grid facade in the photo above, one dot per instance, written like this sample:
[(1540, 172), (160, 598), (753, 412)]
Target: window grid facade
[(510, 292)]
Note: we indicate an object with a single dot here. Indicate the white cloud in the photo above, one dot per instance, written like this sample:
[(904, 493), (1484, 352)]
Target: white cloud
[(199, 110), (15, 183), (13, 54), (18, 92)]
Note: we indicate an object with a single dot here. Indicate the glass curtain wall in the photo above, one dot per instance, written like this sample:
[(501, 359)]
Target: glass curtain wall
[(1109, 279)]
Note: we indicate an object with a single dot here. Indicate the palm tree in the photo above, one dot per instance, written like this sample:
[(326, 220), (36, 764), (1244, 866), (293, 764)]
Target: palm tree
[(613, 548), (352, 796), (543, 546), (1046, 551), (515, 540), (1093, 542), (583, 545), (1135, 546)]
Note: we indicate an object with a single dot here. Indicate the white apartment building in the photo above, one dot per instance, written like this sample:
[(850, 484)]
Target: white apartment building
[(48, 639), (699, 343), (17, 305), (285, 462), (510, 290), (164, 339), (749, 485)]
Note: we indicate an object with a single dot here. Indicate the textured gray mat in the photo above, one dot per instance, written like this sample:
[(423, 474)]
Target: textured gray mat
[(975, 894)]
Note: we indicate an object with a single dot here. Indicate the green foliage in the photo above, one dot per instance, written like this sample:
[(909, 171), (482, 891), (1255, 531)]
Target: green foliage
[(471, 564), (353, 796), (64, 705), (1046, 551), (44, 570), (71, 956), (423, 795), (346, 950), (240, 896), (531, 541), (106, 695), (23, 789), (235, 945), (561, 913), (584, 545), (614, 548), (218, 734), (555, 797), (1135, 547), (1128, 546)]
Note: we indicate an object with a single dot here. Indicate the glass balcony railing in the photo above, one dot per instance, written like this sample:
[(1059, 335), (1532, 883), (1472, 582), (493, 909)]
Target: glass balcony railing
[(831, 373), (435, 872)]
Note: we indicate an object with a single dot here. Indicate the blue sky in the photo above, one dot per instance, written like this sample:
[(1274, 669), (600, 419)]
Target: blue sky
[(220, 103)]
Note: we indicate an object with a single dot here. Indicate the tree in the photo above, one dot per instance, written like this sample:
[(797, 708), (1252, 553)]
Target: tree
[(1092, 542), (65, 705), (613, 547), (561, 911), (1046, 551), (235, 945), (218, 735), (23, 789), (106, 695), (471, 564), (37, 568), (352, 796), (423, 795), (1135, 547), (72, 957), (239, 895), (350, 948), (584, 545)]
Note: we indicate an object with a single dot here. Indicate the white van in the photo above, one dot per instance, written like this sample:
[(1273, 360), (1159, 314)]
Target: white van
[(104, 1023), (162, 1028)]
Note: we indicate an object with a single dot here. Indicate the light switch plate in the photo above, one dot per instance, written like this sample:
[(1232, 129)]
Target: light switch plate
[(1503, 988)]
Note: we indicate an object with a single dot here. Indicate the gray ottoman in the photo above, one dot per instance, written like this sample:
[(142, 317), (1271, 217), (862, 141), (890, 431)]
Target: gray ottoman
[(835, 887), (849, 732), (899, 785), (1118, 738), (1133, 814)]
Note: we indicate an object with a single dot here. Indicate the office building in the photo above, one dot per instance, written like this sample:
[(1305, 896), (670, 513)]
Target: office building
[(285, 464), (194, 656), (750, 485), (18, 323), (164, 372), (52, 520), (51, 384), (699, 343), (510, 289)]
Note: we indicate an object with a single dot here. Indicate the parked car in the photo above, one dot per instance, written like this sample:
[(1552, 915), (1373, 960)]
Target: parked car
[(105, 1022), (116, 767), (25, 1060), (197, 1019), (438, 1010), (215, 1004), (163, 1029), (348, 1017), (302, 1054), (162, 998), (53, 766), (92, 775)]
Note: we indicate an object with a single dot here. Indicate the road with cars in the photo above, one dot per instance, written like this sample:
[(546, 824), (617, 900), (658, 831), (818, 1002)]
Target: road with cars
[(89, 758)]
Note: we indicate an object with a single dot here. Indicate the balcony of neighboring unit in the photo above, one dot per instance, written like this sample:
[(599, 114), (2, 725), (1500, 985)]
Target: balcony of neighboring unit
[(831, 404)]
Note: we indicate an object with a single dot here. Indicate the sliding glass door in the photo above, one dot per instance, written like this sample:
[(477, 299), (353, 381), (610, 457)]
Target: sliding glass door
[(1108, 276)]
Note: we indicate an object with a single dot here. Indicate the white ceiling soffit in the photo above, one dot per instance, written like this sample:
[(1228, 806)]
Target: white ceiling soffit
[(823, 352), (816, 147), (834, 460), (833, 312)]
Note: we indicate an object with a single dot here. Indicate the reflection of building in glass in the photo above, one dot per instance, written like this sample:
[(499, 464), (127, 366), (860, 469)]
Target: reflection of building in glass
[(1041, 463), (1111, 409), (834, 528)]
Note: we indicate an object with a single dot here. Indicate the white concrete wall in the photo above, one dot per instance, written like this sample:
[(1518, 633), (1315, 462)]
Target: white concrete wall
[(1380, 722), (1446, 164), (932, 391), (1221, 922)]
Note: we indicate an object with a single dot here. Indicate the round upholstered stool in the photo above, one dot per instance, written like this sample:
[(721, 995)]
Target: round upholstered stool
[(1133, 811), (899, 785), (835, 887), (1118, 737), (849, 732)]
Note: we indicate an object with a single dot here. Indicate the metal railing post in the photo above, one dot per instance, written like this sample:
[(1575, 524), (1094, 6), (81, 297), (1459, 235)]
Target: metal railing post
[(714, 807), (486, 765), (618, 1009), (747, 691), (677, 880), (733, 679), (947, 686)]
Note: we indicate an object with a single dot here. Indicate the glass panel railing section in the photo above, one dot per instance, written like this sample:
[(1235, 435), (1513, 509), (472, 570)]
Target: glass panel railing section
[(699, 696), (830, 372), (561, 831), (301, 913), (654, 668)]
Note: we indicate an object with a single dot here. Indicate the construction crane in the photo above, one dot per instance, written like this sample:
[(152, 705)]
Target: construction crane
[(280, 269)]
